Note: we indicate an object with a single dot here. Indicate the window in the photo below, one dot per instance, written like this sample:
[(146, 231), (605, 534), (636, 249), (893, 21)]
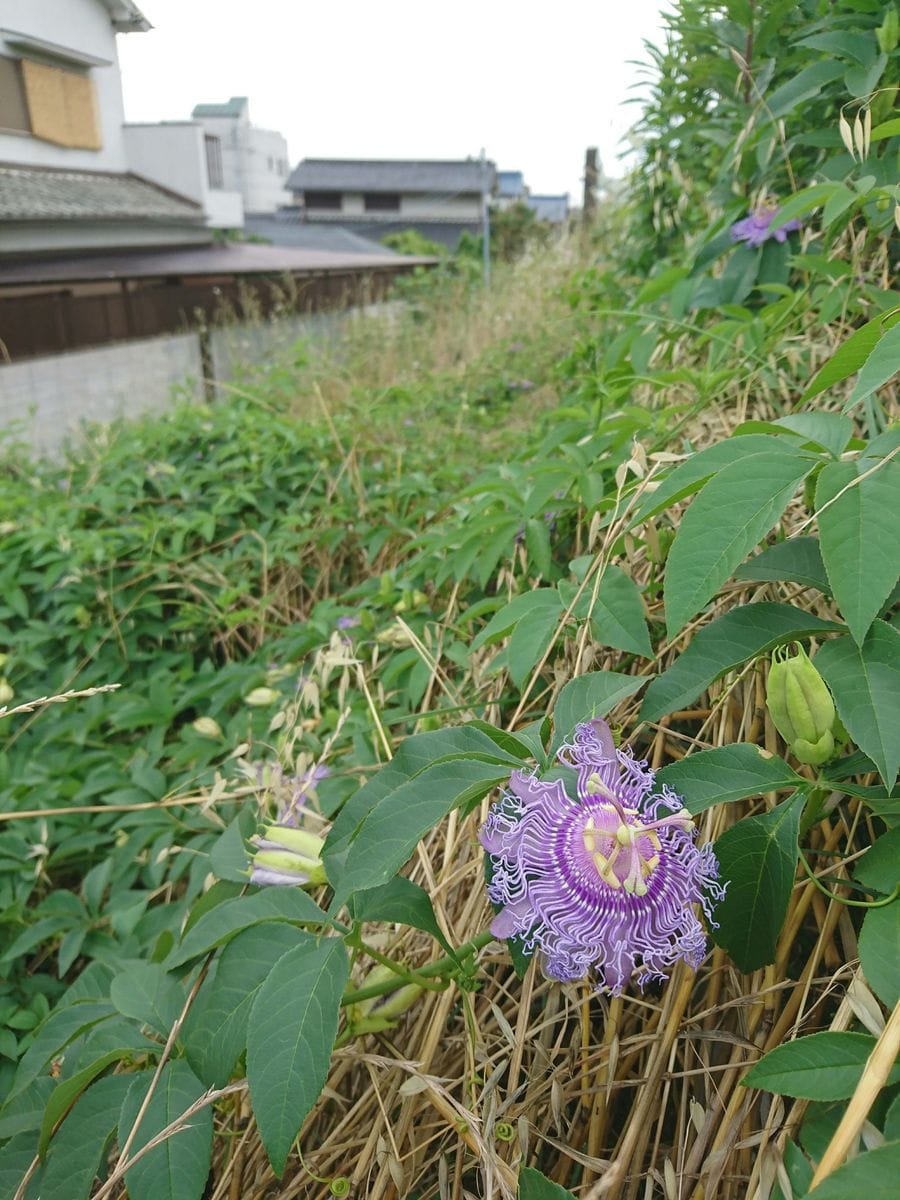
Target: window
[(214, 172), (330, 200), (381, 201), (271, 161), (62, 106), (13, 109)]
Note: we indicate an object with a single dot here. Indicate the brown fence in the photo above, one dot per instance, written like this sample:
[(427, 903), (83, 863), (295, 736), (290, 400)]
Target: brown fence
[(49, 322)]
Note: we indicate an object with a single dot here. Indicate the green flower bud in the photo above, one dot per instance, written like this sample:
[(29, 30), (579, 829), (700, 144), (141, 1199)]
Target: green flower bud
[(381, 1012), (800, 704), (6, 692), (286, 855), (260, 697), (207, 727), (889, 33)]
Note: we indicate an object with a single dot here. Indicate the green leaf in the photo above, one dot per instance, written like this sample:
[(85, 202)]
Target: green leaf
[(535, 1186), (734, 511), (389, 833), (231, 916), (537, 543), (228, 858), (880, 367), (179, 1166), (689, 476), (860, 537), (399, 900), (505, 620), (865, 683), (617, 616), (879, 941), (66, 1093), (727, 773), (879, 867), (730, 640), (830, 431), (838, 203), (805, 200), (758, 858), (886, 129), (533, 634), (872, 1174), (822, 1066), (795, 560), (805, 85), (15, 1162), (23, 1112), (848, 358), (78, 1149), (293, 1023), (589, 696), (54, 1034), (215, 1033), (149, 994)]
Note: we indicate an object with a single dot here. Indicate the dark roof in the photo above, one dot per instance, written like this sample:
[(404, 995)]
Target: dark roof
[(392, 175), (50, 194), (126, 17), (288, 229), (239, 258), (550, 208), (510, 183), (231, 108)]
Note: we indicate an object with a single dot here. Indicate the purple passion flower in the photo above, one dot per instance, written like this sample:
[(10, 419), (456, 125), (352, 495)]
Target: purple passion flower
[(606, 883), (757, 227)]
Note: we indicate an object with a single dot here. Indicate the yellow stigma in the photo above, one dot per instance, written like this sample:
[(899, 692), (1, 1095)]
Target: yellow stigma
[(625, 834)]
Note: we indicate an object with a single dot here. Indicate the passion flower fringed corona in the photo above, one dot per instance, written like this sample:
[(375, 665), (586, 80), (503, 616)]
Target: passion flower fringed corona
[(605, 883)]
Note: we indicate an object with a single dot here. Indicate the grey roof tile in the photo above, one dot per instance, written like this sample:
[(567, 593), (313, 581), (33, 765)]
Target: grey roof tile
[(392, 175), (49, 194)]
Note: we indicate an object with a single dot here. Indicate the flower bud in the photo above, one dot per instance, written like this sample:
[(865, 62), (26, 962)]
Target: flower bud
[(286, 855), (261, 696), (800, 705), (207, 727), (6, 692), (381, 1012), (888, 34)]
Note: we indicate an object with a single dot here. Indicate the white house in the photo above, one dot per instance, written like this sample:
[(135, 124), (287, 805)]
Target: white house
[(66, 182), (254, 161), (182, 156), (374, 197)]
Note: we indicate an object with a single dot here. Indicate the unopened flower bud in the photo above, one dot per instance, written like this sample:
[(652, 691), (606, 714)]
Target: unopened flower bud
[(207, 727), (381, 1012), (888, 34), (286, 855), (261, 696), (6, 692), (800, 705)]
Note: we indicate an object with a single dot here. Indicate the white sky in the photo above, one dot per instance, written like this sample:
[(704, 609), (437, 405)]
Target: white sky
[(533, 83)]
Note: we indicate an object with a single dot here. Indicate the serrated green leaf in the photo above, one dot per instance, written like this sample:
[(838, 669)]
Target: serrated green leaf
[(732, 639), (872, 1174), (65, 1094), (865, 683), (822, 1066), (231, 916), (148, 993), (589, 696), (179, 1166), (23, 1112), (506, 619), (535, 1186), (727, 773), (860, 537), (54, 1034), (530, 639), (293, 1024), (795, 560), (733, 512), (77, 1150), (880, 367), (537, 543), (848, 358), (617, 615), (831, 431), (15, 1162), (389, 833), (403, 901), (879, 951), (758, 860), (215, 1033)]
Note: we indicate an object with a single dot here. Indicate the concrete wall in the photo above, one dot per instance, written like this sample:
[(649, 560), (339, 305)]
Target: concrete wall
[(83, 26), (254, 162), (173, 154), (44, 401)]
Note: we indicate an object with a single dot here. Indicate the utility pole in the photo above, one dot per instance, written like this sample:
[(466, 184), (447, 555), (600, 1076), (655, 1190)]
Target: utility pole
[(485, 221), (591, 175)]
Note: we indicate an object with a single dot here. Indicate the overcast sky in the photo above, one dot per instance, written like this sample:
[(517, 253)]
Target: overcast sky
[(533, 83)]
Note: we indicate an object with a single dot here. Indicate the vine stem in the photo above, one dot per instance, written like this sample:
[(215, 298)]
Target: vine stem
[(441, 966), (845, 899)]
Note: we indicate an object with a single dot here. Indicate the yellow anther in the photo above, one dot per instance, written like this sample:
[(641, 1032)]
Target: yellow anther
[(624, 835), (649, 865), (640, 888), (589, 843)]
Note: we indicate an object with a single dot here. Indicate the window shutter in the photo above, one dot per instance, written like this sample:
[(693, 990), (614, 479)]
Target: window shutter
[(62, 106)]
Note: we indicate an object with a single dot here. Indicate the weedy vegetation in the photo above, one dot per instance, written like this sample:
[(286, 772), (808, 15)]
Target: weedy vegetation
[(268, 665)]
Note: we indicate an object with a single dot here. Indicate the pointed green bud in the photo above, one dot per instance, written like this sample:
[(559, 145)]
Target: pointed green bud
[(381, 1012), (800, 704), (814, 753), (888, 34), (289, 856)]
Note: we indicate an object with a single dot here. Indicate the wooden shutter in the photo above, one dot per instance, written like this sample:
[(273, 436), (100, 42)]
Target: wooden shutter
[(62, 106)]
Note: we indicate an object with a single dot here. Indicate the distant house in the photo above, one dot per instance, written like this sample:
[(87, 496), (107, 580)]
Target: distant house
[(553, 209), (182, 156), (254, 162), (66, 181), (372, 197), (511, 189)]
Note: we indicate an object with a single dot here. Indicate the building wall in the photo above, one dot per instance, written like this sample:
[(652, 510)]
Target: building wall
[(44, 401), (173, 155), (82, 25), (33, 237), (453, 208), (250, 162)]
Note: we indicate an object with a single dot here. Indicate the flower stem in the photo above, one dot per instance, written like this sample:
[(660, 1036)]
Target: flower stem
[(438, 969)]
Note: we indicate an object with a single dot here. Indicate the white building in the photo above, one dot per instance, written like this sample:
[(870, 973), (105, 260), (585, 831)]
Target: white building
[(66, 182), (182, 156), (254, 161)]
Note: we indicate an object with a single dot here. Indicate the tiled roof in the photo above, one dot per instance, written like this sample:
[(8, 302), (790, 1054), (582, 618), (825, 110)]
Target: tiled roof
[(510, 183), (392, 175), (48, 194), (231, 108), (289, 230)]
